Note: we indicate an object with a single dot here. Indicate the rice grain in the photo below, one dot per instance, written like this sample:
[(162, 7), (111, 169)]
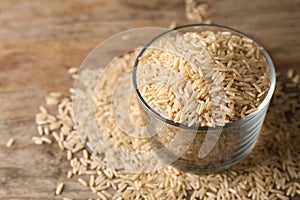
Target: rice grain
[(83, 182), (59, 188), (10, 142)]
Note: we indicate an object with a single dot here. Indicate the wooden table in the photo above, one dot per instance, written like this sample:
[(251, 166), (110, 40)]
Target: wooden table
[(39, 40)]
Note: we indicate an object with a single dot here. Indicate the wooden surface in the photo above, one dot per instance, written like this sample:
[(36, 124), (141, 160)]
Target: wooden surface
[(39, 40)]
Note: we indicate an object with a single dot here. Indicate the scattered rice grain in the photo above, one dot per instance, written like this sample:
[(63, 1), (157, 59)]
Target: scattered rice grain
[(83, 182), (10, 142), (59, 188)]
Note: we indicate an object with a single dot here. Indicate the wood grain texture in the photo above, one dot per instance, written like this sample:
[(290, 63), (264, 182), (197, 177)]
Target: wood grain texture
[(39, 40)]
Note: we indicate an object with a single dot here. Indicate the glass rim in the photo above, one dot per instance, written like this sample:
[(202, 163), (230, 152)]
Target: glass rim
[(262, 105)]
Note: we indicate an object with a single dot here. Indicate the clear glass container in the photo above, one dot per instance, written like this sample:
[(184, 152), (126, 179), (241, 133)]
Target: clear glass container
[(204, 149)]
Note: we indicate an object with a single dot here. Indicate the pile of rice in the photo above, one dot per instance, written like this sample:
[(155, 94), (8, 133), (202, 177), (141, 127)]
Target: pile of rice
[(239, 77), (271, 171)]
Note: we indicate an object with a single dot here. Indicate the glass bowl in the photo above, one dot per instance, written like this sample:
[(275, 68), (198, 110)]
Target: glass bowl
[(221, 146)]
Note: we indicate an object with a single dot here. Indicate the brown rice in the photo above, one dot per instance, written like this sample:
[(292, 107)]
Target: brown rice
[(270, 170), (243, 73)]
